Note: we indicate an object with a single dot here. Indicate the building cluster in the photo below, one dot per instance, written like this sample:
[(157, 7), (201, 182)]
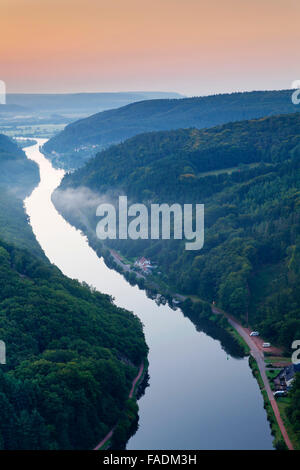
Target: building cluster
[(144, 265), (284, 379)]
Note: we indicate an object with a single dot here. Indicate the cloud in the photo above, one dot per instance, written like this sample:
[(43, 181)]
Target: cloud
[(80, 204)]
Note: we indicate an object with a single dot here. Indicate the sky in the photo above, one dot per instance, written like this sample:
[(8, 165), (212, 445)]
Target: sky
[(194, 47)]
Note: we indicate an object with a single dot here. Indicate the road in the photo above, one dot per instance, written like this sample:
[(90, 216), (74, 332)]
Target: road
[(136, 380), (126, 267), (259, 357), (106, 438), (109, 435)]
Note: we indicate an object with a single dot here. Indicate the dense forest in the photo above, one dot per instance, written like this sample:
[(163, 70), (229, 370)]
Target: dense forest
[(293, 410), (71, 354), (18, 175), (81, 139), (247, 175), (14, 225), (71, 357)]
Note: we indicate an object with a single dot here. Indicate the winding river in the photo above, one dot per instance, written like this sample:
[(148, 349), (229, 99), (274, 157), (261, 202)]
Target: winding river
[(199, 397)]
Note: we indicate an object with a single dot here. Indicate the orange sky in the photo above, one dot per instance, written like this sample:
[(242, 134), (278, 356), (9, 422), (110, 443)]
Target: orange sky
[(190, 46)]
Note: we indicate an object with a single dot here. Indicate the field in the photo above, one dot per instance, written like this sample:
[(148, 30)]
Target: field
[(44, 131)]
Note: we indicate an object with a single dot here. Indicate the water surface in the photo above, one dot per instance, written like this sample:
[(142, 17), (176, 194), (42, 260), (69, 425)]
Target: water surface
[(199, 397)]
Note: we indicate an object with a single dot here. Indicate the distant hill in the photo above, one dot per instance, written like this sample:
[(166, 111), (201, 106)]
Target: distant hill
[(17, 174), (12, 109), (248, 176), (80, 103), (28, 110), (82, 139)]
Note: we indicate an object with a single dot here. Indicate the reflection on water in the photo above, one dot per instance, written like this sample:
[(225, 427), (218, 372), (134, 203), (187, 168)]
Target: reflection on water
[(199, 397)]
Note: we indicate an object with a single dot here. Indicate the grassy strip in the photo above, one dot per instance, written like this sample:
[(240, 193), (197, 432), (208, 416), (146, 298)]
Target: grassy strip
[(239, 338), (277, 359), (256, 372), (235, 334), (278, 441), (283, 404)]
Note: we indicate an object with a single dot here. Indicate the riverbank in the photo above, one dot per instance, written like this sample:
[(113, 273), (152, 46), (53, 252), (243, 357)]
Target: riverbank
[(188, 304), (174, 395), (194, 308), (214, 325), (130, 413), (257, 364), (240, 335), (252, 346)]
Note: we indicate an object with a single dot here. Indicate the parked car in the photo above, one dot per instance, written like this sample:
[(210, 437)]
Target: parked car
[(254, 333), (280, 393), (266, 345)]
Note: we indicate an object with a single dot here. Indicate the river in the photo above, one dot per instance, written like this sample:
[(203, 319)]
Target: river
[(199, 397)]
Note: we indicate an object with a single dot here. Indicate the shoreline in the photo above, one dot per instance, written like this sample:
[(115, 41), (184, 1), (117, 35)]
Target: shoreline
[(258, 356), (131, 276), (135, 383), (248, 346), (34, 154)]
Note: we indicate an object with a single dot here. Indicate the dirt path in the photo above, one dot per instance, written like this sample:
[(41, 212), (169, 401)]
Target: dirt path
[(109, 435), (257, 353), (136, 380)]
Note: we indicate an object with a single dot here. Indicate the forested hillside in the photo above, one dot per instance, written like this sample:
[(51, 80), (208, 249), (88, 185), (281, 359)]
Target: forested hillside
[(71, 354), (71, 357), (14, 224), (81, 139), (17, 174), (247, 175)]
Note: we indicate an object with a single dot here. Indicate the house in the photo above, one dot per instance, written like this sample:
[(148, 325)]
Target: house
[(144, 264), (285, 378)]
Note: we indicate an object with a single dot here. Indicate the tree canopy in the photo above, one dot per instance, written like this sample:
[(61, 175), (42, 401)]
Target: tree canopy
[(247, 175)]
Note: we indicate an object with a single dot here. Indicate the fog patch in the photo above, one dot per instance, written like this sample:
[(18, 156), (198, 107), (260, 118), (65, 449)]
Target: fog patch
[(80, 204)]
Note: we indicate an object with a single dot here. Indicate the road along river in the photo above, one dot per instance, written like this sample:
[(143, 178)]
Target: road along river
[(199, 397)]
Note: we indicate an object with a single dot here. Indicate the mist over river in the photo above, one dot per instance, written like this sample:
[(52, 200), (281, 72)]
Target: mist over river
[(199, 396)]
